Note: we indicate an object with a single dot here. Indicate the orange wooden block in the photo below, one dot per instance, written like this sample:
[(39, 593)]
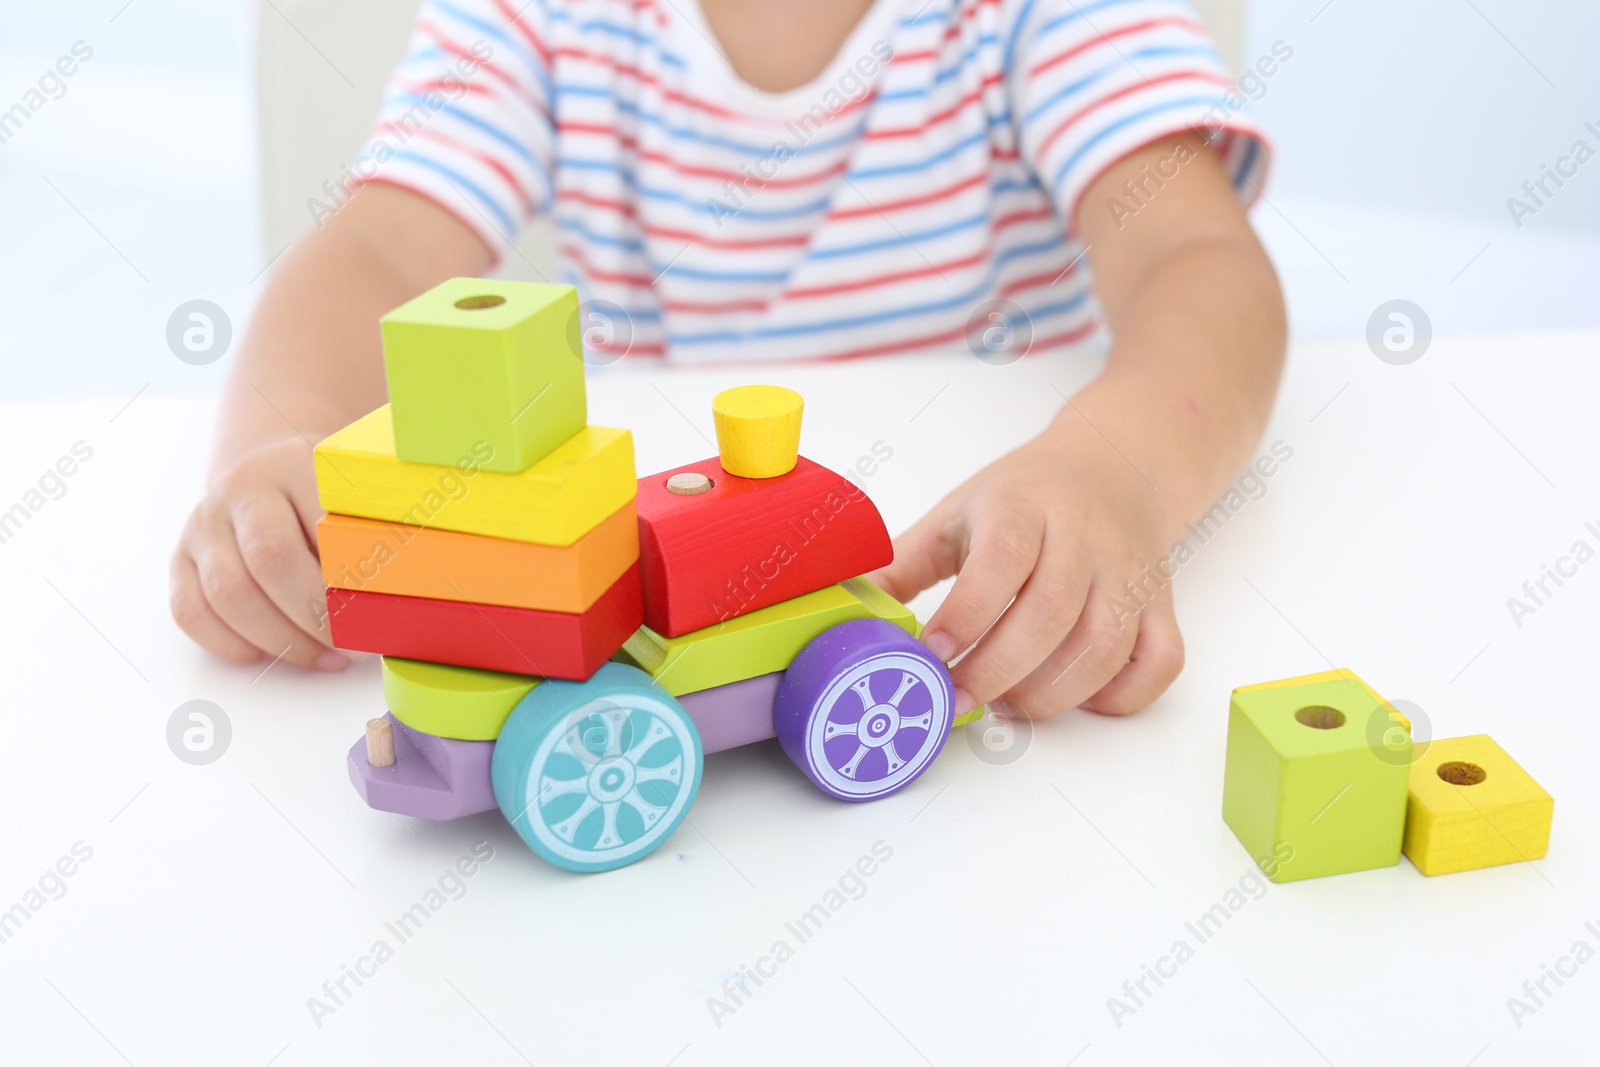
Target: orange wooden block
[(369, 555)]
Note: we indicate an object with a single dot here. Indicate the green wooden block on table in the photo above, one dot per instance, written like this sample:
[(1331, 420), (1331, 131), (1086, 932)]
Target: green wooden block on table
[(477, 360), (760, 642), (1315, 781), (448, 701)]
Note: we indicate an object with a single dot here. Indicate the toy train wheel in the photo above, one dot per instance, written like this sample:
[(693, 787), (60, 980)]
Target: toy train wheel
[(595, 775), (864, 709)]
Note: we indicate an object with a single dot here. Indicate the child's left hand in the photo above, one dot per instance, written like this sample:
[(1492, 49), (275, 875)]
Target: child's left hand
[(1060, 525)]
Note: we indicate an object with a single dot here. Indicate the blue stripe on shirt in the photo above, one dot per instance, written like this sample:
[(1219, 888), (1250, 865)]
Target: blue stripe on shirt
[(857, 321), (463, 184), (1081, 84), (1107, 130), (489, 29)]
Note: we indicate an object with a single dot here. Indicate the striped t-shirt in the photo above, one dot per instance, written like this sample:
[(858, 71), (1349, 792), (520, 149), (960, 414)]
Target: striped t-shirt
[(919, 189)]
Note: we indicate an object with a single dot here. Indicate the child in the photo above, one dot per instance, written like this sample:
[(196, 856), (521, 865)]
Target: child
[(749, 179)]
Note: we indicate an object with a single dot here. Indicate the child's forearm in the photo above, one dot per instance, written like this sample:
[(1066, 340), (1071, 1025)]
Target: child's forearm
[(311, 361), (1198, 328), (1192, 374)]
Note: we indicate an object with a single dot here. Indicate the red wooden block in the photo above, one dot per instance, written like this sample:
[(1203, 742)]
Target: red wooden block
[(746, 543), (549, 644)]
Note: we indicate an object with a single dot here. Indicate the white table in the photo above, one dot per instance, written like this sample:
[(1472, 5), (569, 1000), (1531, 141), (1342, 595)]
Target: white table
[(1019, 896)]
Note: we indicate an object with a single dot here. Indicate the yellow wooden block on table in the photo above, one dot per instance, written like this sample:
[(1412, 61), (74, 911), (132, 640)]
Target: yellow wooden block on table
[(758, 430), (760, 642), (554, 502), (1472, 806)]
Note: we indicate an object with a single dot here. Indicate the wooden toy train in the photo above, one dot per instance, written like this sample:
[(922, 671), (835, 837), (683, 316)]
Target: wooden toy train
[(565, 640)]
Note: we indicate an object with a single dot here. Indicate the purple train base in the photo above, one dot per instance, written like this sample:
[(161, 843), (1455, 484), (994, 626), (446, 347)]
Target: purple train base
[(595, 774)]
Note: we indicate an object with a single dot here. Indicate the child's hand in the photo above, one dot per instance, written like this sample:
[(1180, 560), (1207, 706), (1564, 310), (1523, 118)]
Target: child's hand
[(1059, 524), (245, 579)]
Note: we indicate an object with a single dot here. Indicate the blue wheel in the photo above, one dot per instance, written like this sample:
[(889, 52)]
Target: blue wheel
[(595, 775)]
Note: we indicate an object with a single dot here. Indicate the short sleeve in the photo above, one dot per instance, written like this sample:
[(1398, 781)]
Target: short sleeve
[(465, 119), (1091, 82)]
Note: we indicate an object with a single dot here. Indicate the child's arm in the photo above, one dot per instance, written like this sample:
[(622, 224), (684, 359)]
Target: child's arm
[(245, 579), (1062, 522)]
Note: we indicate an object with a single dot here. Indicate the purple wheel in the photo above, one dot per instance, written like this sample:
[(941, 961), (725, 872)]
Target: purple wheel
[(864, 709)]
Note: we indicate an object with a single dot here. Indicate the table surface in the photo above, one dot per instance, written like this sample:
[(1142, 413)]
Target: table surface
[(1017, 886)]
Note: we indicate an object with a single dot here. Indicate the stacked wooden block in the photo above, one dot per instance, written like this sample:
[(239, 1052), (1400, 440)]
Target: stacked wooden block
[(477, 519), (1323, 778)]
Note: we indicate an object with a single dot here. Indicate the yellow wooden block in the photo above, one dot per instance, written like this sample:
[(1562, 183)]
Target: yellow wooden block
[(554, 502), (760, 642), (758, 430), (1472, 806)]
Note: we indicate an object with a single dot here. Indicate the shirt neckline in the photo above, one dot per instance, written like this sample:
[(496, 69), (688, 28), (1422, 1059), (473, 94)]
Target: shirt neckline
[(697, 37)]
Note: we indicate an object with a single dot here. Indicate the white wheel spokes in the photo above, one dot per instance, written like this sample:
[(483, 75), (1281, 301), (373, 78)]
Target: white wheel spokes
[(568, 827), (647, 811), (830, 729), (550, 788), (907, 681), (656, 732), (908, 727), (608, 831), (925, 721), (669, 772)]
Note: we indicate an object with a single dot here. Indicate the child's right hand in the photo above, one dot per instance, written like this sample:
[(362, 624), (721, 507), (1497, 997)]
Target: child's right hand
[(245, 579)]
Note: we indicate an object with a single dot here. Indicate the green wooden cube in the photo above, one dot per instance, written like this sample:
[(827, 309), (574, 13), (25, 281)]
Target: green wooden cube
[(476, 361), (1316, 776)]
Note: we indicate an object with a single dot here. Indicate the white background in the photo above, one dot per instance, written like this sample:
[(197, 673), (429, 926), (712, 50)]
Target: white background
[(1020, 896)]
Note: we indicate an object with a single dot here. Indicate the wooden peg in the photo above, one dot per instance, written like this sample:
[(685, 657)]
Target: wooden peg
[(689, 483), (380, 742)]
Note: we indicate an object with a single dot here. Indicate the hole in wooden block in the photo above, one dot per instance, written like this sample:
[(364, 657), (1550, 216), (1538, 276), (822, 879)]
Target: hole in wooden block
[(688, 484), (478, 303), (1457, 772), (1320, 717)]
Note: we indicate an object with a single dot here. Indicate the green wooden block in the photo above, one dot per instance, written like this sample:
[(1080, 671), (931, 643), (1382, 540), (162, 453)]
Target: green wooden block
[(759, 642), (1312, 786), (448, 701), (477, 360)]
